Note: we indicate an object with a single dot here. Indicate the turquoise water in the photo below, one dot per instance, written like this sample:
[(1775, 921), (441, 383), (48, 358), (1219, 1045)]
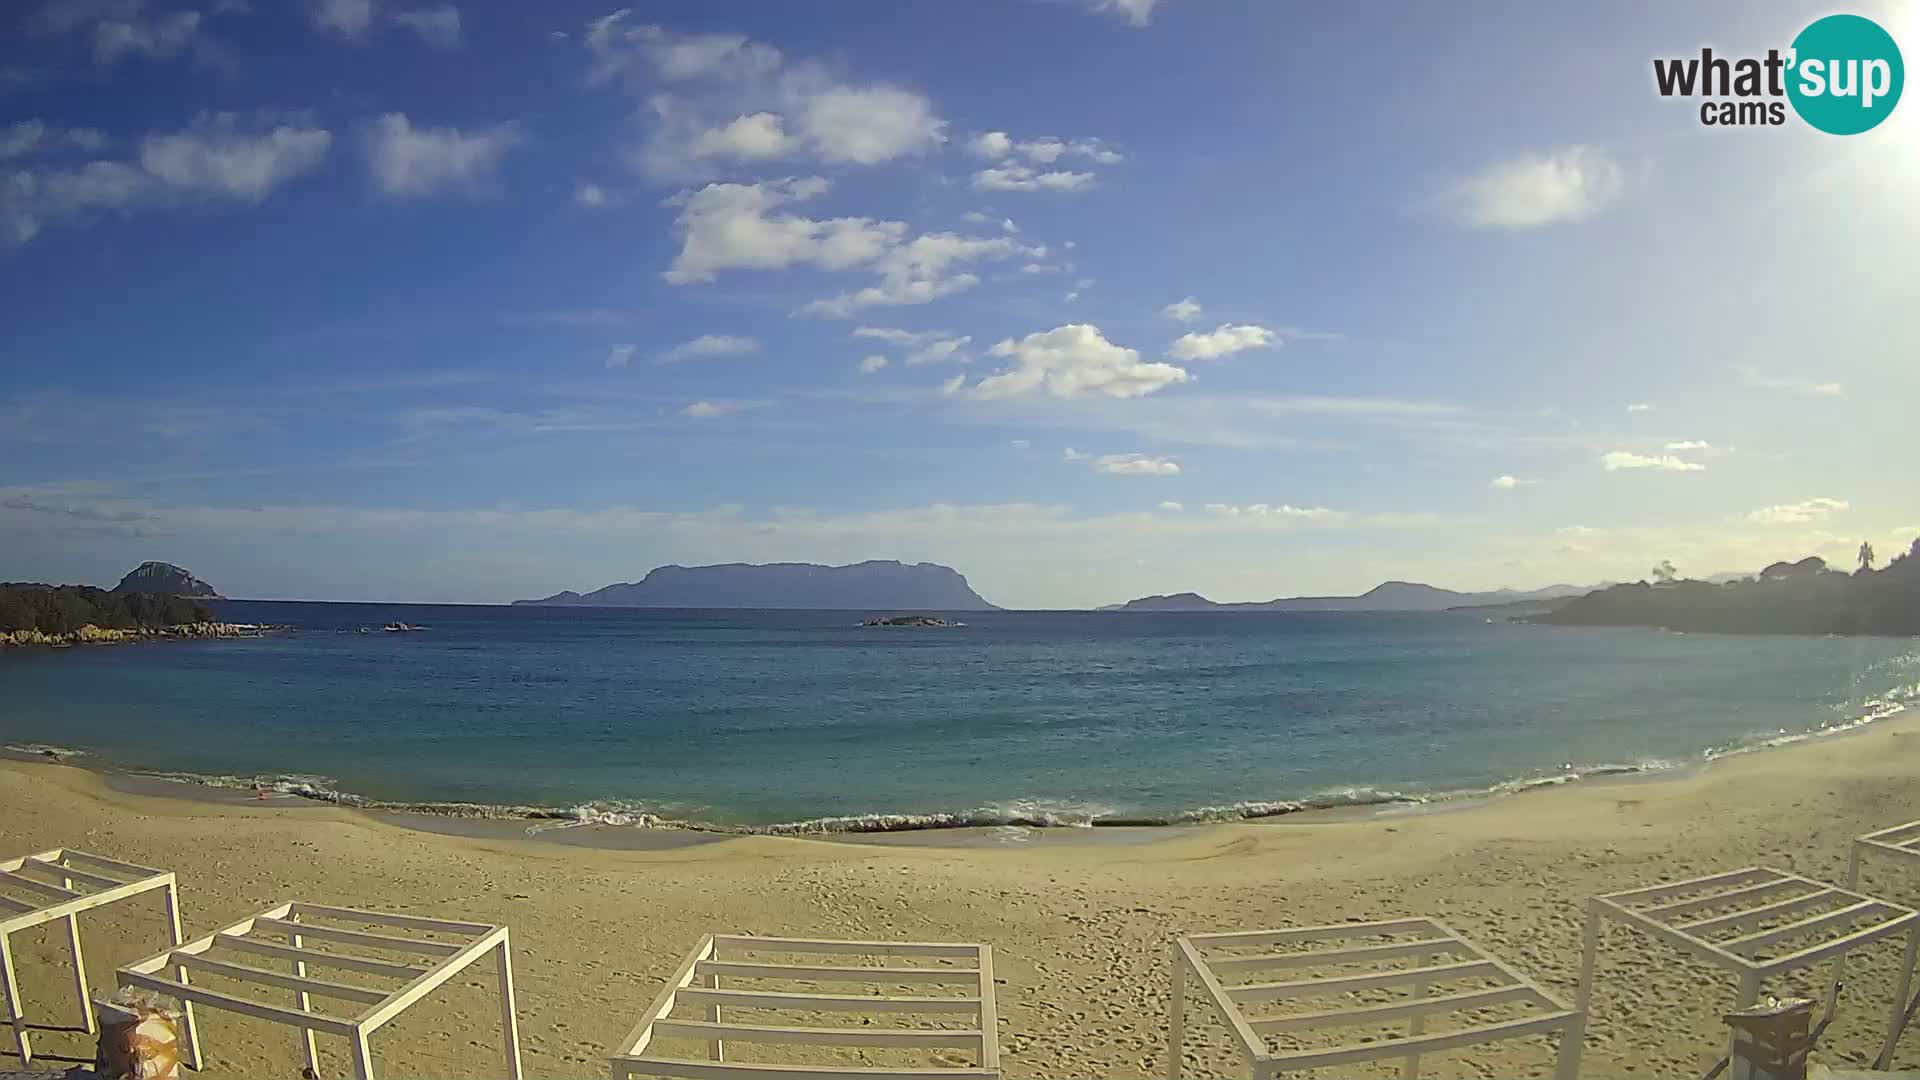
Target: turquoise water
[(770, 718)]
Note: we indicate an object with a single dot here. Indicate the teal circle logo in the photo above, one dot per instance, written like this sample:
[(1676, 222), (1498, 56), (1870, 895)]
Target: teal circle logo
[(1845, 74)]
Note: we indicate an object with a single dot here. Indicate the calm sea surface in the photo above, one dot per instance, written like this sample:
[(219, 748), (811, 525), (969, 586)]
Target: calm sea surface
[(760, 718)]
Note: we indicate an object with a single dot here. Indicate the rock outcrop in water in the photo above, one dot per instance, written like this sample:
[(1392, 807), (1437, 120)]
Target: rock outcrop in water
[(165, 579), (1388, 596), (871, 586)]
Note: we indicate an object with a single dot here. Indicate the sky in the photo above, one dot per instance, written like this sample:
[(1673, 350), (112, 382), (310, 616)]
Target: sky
[(1088, 299)]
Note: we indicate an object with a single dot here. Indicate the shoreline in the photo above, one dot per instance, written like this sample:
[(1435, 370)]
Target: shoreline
[(98, 635), (587, 826), (1079, 929)]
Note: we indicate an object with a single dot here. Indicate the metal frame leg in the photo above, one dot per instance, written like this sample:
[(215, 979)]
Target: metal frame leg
[(1573, 1038), (362, 1056), (15, 1012), (1416, 1024), (1896, 1024), (172, 895), (508, 1022), (306, 1002), (79, 967), (1176, 1008)]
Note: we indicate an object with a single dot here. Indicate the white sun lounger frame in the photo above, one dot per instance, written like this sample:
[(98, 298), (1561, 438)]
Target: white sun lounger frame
[(698, 981), (1757, 893), (281, 932), (1901, 841), (1434, 940), (86, 882)]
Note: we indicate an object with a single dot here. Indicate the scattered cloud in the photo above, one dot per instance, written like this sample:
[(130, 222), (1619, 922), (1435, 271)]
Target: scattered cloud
[(976, 217), (407, 161), (1264, 510), (706, 410), (347, 18), (1617, 460), (21, 138), (1792, 384), (1021, 444), (1125, 464), (1689, 444), (157, 38), (1225, 340), (707, 345), (218, 156), (923, 347), (1182, 310), (1044, 150), (621, 355), (589, 195), (1014, 177), (439, 26), (734, 100), (1136, 13), (1640, 406), (1510, 483), (1799, 513), (1172, 507), (742, 227), (1073, 361), (871, 364), (1533, 190)]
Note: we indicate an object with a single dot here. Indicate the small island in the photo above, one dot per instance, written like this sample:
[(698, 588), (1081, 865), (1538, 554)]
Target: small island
[(907, 620)]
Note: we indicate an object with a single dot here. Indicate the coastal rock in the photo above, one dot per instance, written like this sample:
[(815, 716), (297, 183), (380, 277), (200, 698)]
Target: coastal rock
[(875, 585), (98, 635), (907, 620), (164, 578)]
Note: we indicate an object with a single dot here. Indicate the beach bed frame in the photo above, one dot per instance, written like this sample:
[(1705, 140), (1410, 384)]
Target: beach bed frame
[(58, 885), (717, 956), (1732, 920), (1900, 841), (288, 933), (1438, 955)]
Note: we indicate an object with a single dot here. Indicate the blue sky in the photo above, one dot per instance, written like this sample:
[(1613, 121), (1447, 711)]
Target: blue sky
[(364, 299)]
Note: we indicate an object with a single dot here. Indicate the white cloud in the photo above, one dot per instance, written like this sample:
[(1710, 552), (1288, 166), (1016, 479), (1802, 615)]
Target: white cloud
[(923, 346), (755, 137), (21, 138), (1792, 384), (409, 161), (1510, 483), (1225, 340), (991, 144), (1073, 361), (1182, 310), (918, 272), (1799, 513), (1021, 444), (977, 217), (1689, 444), (736, 226), (1172, 507), (158, 38), (1125, 464), (348, 18), (705, 410), (1137, 13), (214, 156), (621, 355), (589, 194), (1616, 460), (1022, 178), (707, 345), (735, 99), (1537, 189), (439, 27), (1282, 510), (871, 364), (1640, 406)]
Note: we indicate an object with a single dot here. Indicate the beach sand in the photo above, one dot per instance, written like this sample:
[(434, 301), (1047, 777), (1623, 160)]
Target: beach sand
[(1079, 928)]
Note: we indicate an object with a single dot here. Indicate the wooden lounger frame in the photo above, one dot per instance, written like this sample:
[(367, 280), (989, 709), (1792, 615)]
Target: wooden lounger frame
[(1439, 953), (283, 932), (1712, 919), (698, 981), (58, 885)]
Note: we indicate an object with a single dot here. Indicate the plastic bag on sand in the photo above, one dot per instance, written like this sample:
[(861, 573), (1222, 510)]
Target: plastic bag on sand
[(139, 1037)]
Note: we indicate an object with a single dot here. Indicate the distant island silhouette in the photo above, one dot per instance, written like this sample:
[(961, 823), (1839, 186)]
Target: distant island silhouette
[(1387, 596), (876, 585), (1805, 597)]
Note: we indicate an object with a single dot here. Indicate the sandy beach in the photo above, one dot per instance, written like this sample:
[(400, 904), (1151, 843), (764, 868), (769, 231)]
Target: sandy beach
[(1079, 926)]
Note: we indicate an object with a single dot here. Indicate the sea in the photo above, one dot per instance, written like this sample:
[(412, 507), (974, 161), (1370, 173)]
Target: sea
[(809, 722)]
